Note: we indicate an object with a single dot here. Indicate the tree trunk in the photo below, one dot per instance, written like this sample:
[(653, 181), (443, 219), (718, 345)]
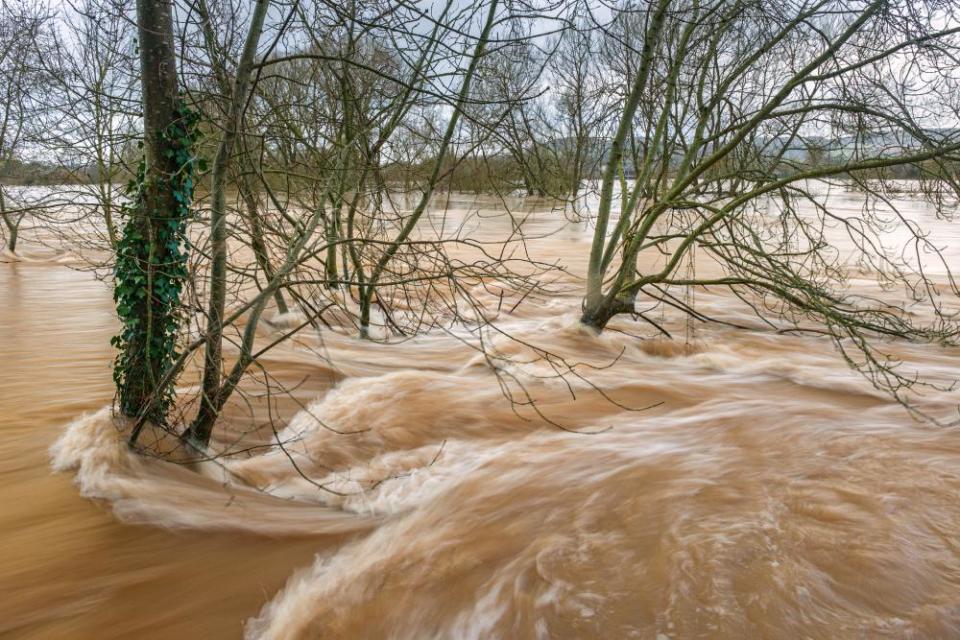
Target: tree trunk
[(199, 432), (158, 73), (257, 242), (13, 228), (596, 304), (597, 316), (333, 235)]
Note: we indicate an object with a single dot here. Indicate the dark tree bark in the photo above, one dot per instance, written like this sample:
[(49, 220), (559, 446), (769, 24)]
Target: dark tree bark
[(158, 73)]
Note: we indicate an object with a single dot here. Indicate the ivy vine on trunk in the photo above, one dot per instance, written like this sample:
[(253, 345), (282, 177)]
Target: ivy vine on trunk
[(150, 270)]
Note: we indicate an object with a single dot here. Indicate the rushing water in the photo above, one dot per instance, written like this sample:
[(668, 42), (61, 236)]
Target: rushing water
[(729, 484)]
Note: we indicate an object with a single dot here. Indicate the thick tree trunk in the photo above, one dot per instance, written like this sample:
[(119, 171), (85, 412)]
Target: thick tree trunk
[(596, 316), (158, 74)]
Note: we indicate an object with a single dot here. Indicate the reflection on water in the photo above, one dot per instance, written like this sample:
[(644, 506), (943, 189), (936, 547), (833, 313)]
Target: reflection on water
[(772, 489)]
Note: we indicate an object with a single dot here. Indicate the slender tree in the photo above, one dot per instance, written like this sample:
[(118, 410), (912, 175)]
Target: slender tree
[(210, 403), (725, 92), (24, 40)]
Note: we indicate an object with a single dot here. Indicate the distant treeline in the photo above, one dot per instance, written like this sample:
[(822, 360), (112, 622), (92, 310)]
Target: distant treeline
[(31, 173)]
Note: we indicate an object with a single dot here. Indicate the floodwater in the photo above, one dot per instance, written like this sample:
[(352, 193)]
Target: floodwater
[(727, 484)]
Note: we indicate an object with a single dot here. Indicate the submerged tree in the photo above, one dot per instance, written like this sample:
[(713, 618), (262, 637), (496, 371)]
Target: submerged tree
[(94, 70), (24, 40), (728, 94), (150, 265), (330, 233), (214, 395), (721, 101)]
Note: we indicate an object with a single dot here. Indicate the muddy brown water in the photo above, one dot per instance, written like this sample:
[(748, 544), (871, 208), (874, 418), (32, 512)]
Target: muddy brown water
[(69, 568), (764, 491)]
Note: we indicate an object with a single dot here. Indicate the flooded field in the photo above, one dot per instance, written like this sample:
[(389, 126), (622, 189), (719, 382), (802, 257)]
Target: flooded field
[(730, 483)]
